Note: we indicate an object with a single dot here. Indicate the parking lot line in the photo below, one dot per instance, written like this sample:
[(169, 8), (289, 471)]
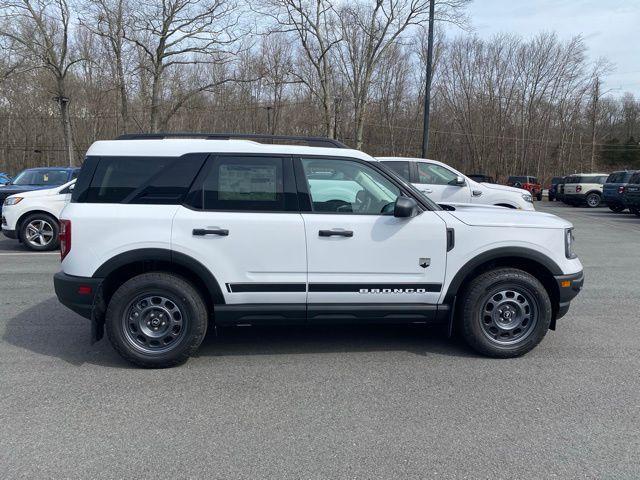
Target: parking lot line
[(7, 254)]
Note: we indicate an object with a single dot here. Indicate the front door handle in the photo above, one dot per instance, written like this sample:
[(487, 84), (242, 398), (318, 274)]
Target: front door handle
[(335, 233), (201, 232), (427, 190)]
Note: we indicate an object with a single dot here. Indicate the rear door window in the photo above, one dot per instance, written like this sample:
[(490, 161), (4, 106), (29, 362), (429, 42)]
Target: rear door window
[(246, 183)]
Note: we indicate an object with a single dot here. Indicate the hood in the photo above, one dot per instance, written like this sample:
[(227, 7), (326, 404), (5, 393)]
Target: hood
[(13, 189), (505, 188), (41, 192), (490, 216)]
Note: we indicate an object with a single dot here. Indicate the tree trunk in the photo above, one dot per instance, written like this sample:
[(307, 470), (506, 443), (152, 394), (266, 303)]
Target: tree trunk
[(154, 121), (65, 117)]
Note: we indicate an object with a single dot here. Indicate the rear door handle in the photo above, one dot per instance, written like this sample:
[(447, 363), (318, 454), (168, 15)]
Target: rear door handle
[(335, 233), (201, 232)]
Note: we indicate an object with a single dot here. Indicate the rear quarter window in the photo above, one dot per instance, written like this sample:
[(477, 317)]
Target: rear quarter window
[(142, 180), (401, 168)]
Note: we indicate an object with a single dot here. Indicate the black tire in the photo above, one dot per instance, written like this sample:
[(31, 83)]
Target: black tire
[(48, 237), (187, 329), (616, 207), (486, 288), (635, 211), (539, 197), (593, 200)]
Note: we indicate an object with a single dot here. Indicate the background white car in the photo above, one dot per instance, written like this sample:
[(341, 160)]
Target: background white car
[(444, 184), (32, 217)]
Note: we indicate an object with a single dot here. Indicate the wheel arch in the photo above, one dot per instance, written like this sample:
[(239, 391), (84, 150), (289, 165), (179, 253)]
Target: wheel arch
[(531, 261), (124, 266), (26, 214)]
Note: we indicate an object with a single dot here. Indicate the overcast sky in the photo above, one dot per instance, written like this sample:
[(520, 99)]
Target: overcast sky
[(611, 29)]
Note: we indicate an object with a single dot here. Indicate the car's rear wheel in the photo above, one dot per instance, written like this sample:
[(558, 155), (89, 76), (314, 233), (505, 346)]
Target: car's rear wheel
[(593, 200), (539, 197), (616, 207), (39, 232), (156, 320), (505, 313)]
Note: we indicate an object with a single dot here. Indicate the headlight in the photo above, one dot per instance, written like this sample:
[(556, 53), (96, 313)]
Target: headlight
[(568, 243), (527, 197), (12, 201)]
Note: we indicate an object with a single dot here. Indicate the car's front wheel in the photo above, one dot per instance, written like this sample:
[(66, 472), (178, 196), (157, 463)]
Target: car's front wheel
[(39, 232), (505, 313), (156, 320)]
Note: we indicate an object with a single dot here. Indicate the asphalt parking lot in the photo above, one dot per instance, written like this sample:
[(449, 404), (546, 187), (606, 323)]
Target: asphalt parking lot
[(380, 402)]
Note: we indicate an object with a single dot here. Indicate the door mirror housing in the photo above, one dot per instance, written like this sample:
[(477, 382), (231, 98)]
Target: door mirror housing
[(458, 181), (405, 207)]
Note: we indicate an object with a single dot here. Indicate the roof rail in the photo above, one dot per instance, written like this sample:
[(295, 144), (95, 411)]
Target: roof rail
[(308, 141)]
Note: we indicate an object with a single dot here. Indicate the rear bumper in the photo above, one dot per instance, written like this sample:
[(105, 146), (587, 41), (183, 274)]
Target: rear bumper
[(569, 287), (77, 293)]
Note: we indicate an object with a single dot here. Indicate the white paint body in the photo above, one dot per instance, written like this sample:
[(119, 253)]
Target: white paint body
[(50, 200), (471, 192), (285, 247)]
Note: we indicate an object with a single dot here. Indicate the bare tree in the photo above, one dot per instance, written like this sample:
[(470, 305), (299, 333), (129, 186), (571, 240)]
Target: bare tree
[(178, 34), (313, 24), (107, 20), (41, 31), (368, 30)]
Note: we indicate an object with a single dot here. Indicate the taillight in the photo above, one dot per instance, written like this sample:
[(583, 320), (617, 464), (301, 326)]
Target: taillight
[(620, 189), (65, 238), (579, 188)]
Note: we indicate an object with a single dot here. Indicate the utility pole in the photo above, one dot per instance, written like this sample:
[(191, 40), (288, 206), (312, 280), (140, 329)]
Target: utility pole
[(427, 90)]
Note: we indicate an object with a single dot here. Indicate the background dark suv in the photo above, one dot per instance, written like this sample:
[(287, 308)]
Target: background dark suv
[(553, 187), (613, 189), (631, 196)]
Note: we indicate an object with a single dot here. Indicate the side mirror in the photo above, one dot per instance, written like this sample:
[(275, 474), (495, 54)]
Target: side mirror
[(71, 187), (405, 208), (458, 181)]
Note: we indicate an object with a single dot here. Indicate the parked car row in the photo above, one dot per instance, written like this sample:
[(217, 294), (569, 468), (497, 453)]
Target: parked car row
[(619, 190), (30, 205)]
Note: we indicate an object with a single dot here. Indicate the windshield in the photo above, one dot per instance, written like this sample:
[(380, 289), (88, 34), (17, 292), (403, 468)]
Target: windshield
[(41, 177)]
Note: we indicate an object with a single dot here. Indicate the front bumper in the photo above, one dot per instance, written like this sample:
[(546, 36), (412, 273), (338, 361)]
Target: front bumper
[(569, 287), (77, 293), (13, 234)]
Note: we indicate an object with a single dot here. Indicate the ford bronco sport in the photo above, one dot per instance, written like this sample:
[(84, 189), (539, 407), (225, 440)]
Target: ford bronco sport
[(168, 235)]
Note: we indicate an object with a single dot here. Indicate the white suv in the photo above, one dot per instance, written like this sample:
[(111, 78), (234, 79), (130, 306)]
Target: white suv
[(584, 189), (32, 217), (165, 237), (444, 184)]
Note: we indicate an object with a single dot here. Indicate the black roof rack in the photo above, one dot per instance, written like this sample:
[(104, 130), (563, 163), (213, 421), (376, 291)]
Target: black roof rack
[(308, 141)]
